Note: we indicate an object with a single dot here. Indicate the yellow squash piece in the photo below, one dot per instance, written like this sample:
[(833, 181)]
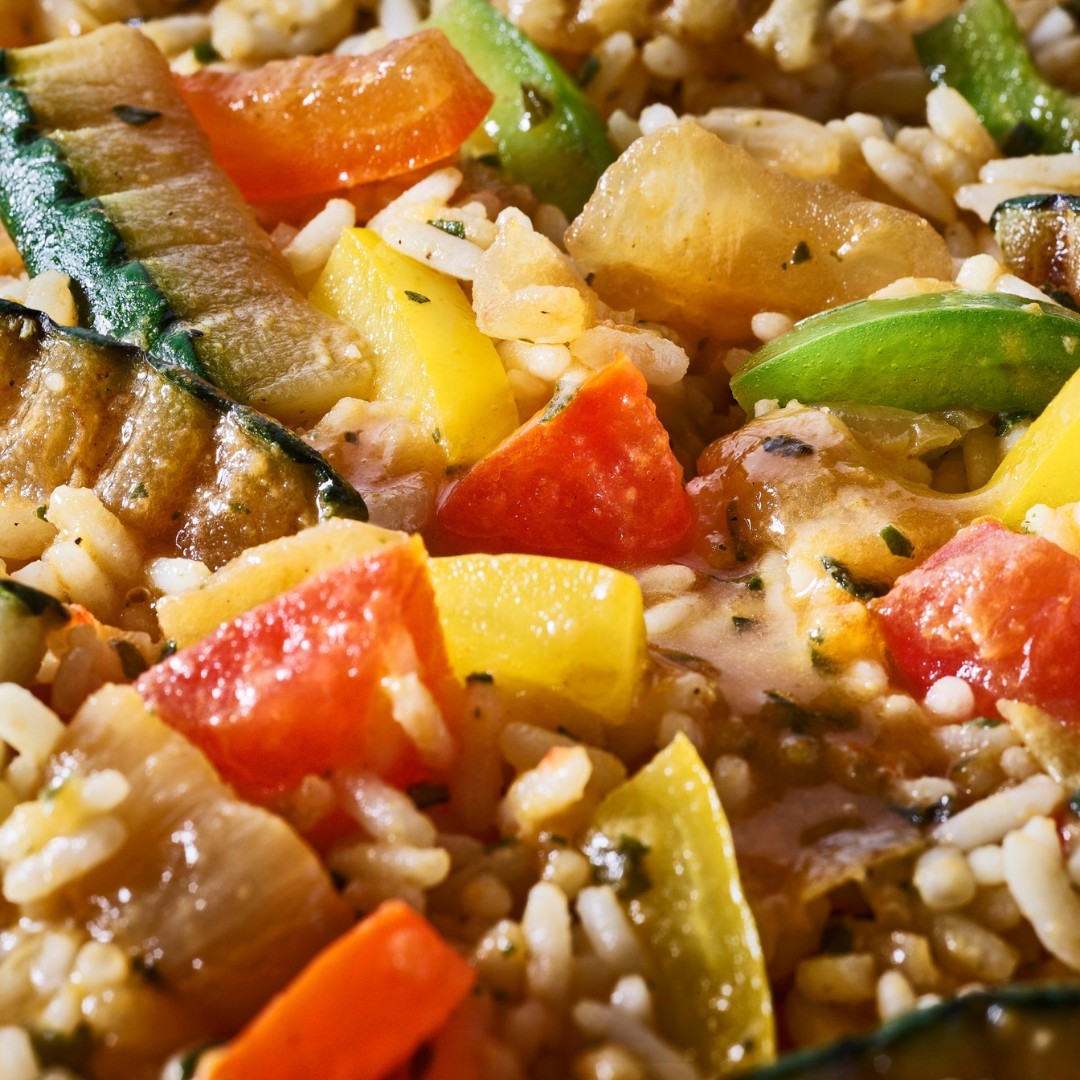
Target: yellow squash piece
[(544, 627), (662, 841), (1044, 466), (427, 347), (262, 572)]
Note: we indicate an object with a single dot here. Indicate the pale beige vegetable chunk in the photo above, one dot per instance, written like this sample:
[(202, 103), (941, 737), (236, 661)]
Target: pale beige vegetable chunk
[(689, 230)]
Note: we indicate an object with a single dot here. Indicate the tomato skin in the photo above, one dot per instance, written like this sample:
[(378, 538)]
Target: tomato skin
[(597, 481), (999, 609), (291, 688), (318, 124)]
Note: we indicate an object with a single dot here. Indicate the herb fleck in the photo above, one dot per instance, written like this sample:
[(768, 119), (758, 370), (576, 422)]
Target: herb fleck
[(984, 722), (897, 543), (424, 794), (479, 677), (436, 436), (536, 105), (1074, 803), (205, 53), (417, 298), (619, 864), (801, 254), (168, 648), (40, 513), (822, 663), (1004, 422), (138, 491), (861, 590), (755, 584), (132, 662), (786, 446), (565, 392), (135, 114), (587, 72), (742, 622), (450, 226), (933, 814), (239, 508)]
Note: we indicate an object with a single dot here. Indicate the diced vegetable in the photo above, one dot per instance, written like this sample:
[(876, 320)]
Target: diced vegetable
[(981, 52), (1001, 610), (221, 900), (263, 572), (688, 230), (540, 626), (427, 348), (954, 349), (1044, 466), (689, 909), (82, 191), (322, 677), (1027, 1030), (546, 132), (318, 123), (159, 445), (592, 477), (1039, 237), (26, 618), (359, 1010)]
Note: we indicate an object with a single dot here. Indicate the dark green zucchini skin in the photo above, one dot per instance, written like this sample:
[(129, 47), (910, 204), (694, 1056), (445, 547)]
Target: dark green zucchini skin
[(1022, 1032), (32, 603), (1039, 236), (188, 470), (56, 228)]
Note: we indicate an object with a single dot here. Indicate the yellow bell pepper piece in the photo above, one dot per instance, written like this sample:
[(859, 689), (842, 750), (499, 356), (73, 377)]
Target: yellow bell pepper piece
[(1044, 465), (262, 572), (544, 627), (427, 347)]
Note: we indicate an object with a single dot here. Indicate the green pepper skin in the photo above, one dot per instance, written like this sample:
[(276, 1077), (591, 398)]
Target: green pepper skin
[(981, 52), (692, 917), (1005, 1034), (547, 134), (944, 350)]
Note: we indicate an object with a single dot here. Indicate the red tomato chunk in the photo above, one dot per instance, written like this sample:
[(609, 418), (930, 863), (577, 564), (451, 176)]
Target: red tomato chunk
[(999, 609), (595, 479), (321, 123), (293, 687)]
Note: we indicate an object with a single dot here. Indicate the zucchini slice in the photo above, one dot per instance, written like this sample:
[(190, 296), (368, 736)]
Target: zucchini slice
[(106, 177), (184, 468), (1030, 1030), (1039, 236), (27, 615)]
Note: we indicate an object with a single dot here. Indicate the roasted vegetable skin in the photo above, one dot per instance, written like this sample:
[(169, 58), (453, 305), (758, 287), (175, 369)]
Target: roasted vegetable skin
[(95, 141), (1039, 236), (1029, 1030), (185, 469)]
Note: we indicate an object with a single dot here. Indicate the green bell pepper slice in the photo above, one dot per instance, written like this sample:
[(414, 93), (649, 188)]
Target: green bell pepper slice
[(547, 134), (944, 350), (981, 52), (662, 840)]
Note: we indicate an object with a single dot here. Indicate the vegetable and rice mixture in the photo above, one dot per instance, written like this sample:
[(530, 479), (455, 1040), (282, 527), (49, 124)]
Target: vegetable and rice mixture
[(539, 540)]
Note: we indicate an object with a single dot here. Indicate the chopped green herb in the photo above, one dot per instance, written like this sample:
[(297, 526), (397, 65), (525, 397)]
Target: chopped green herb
[(801, 254), (861, 590), (754, 583), (740, 549), (63, 1049), (984, 722), (537, 105), (436, 436), (897, 543), (1004, 422), (933, 814), (138, 491), (742, 622), (686, 659), (52, 789), (480, 676), (417, 298), (188, 1063), (786, 446), (587, 72), (40, 513), (205, 53), (450, 226), (132, 662), (563, 730), (239, 508), (1074, 803), (620, 864), (168, 648), (565, 392), (424, 794), (135, 114), (817, 636), (502, 842), (822, 663)]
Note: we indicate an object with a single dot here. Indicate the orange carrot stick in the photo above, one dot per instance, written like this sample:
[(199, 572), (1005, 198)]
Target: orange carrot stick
[(358, 1010)]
